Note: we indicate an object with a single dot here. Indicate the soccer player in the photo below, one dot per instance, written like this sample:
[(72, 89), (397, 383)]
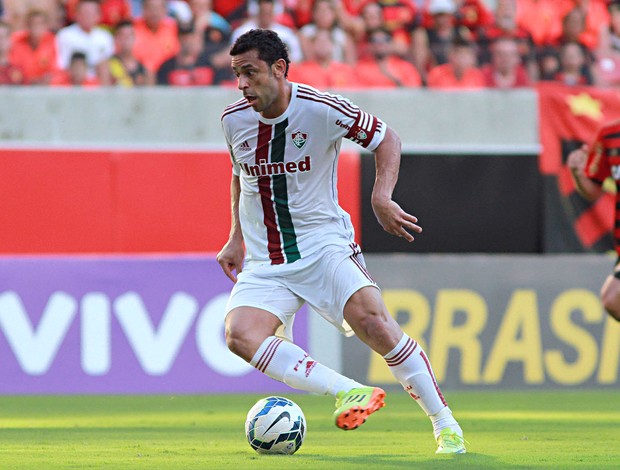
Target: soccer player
[(590, 165), (284, 139)]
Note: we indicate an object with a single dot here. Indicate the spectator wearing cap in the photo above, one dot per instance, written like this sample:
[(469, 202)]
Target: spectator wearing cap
[(460, 72), (34, 49), (385, 69), (10, 74), (431, 43), (190, 66), (265, 19), (87, 37)]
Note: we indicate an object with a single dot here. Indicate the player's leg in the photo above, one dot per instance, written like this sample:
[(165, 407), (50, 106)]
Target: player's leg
[(365, 311), (251, 334), (610, 293)]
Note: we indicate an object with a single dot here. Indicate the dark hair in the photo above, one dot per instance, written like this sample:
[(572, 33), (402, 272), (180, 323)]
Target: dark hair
[(77, 56), (122, 24), (268, 44)]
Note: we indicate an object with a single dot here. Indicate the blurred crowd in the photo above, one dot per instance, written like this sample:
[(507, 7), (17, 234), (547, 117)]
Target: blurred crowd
[(332, 43)]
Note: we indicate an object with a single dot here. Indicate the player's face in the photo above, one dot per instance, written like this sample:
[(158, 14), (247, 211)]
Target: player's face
[(259, 83)]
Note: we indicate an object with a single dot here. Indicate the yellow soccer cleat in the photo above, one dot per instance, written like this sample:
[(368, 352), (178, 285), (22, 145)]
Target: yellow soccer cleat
[(449, 442)]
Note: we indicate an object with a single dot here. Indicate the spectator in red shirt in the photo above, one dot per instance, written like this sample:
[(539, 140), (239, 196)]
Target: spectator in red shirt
[(505, 25), (431, 42), (596, 17), (112, 11), (372, 19), (216, 32), (323, 71), (608, 52), (156, 35), (76, 74), (399, 19), (10, 74), (190, 66), (385, 69), (574, 69), (473, 15), (460, 71), (233, 11), (325, 18), (16, 11), (541, 18), (505, 69), (34, 49)]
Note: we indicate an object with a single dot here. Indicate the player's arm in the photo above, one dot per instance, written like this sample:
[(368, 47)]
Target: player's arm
[(231, 255), (576, 162), (391, 217)]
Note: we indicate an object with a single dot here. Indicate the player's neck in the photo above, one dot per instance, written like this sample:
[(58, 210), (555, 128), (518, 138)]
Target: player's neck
[(281, 103)]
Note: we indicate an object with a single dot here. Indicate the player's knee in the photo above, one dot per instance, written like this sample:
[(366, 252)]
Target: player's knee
[(373, 323), (238, 342)]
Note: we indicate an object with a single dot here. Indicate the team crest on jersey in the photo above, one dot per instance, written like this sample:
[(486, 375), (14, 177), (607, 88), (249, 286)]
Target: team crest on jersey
[(361, 135), (299, 138)]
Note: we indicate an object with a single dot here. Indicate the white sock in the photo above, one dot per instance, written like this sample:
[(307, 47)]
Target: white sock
[(444, 419), (288, 363), (409, 364)]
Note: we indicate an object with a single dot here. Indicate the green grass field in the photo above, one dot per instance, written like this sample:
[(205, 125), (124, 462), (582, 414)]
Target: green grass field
[(511, 430)]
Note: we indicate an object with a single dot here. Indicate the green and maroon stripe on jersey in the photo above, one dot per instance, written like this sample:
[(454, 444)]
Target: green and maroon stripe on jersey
[(281, 237)]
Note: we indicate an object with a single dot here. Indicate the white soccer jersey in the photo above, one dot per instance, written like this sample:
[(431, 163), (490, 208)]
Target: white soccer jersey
[(287, 166)]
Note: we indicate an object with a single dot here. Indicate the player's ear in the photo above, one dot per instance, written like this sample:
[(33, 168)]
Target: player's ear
[(279, 68)]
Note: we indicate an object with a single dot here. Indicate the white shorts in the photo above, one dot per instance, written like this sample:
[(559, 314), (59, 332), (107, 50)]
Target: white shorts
[(325, 281)]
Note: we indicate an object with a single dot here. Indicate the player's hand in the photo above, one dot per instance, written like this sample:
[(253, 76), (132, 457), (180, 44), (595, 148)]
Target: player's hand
[(231, 259), (576, 160), (394, 220)]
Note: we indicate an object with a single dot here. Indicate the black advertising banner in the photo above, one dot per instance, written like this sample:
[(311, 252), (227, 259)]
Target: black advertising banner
[(464, 203)]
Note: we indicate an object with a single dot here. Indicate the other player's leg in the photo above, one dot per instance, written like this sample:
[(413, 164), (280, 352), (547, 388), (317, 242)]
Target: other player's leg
[(610, 294)]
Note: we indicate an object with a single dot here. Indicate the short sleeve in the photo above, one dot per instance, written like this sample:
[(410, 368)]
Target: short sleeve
[(235, 165), (357, 125)]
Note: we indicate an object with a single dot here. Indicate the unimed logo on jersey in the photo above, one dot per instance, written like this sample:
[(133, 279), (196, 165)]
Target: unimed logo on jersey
[(277, 168)]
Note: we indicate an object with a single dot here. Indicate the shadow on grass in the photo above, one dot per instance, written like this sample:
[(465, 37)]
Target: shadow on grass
[(385, 462)]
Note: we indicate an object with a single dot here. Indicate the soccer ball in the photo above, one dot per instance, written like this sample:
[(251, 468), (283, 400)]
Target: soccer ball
[(275, 425)]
